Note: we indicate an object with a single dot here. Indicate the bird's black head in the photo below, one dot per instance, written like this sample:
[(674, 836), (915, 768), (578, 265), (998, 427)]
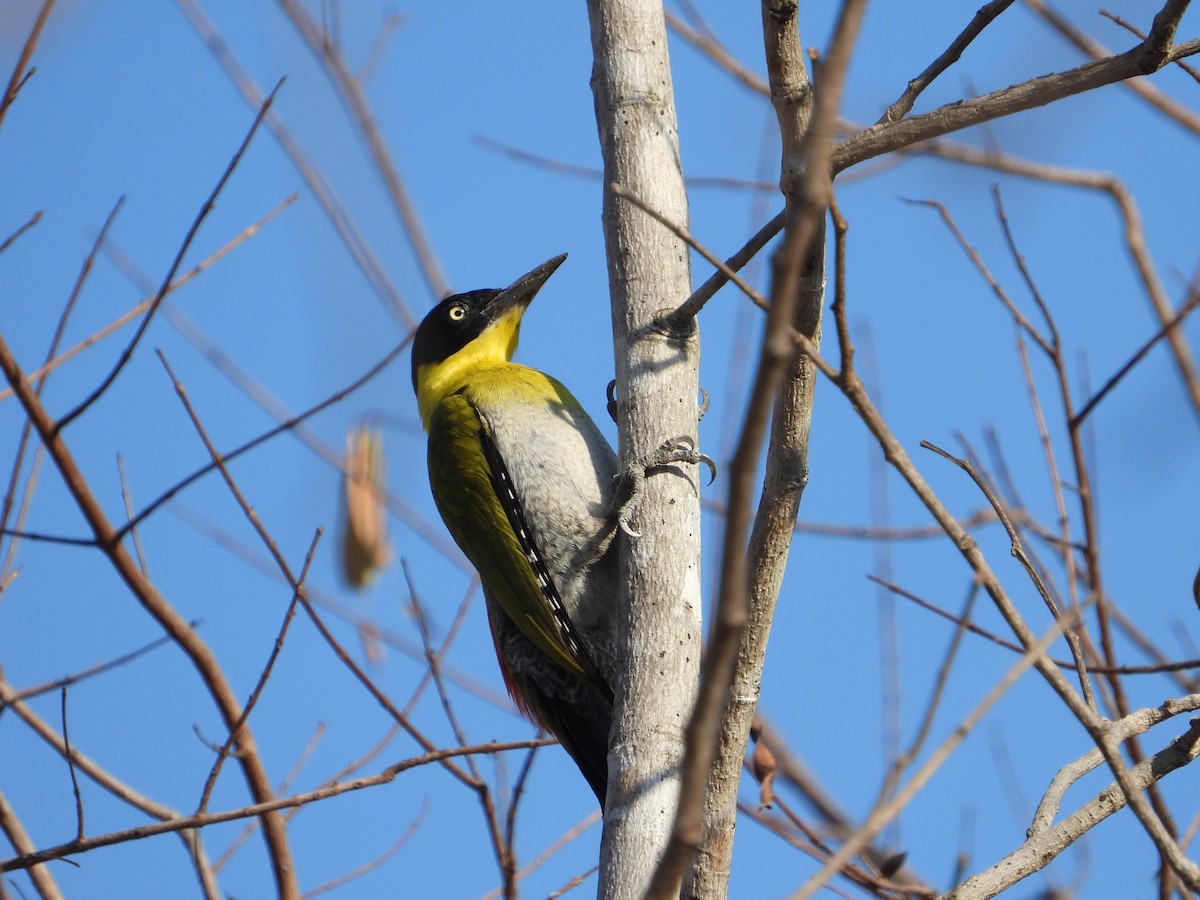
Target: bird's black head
[(450, 326), (488, 321)]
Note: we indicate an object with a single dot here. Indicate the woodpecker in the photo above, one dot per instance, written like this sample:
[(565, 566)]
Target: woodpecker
[(524, 481)]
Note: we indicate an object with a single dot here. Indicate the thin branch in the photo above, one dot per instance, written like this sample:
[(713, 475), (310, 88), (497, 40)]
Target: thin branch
[(283, 787), (157, 607), (61, 851), (1018, 552), (127, 500), (573, 883), (706, 42), (390, 25), (350, 91), (691, 307), (71, 766), (252, 700), (60, 683), (1044, 846), (132, 313), (378, 861), (324, 194), (348, 614), (735, 263), (39, 386), (1195, 73), (12, 238), (1172, 109), (19, 73), (1187, 309), (1159, 668), (881, 139), (565, 839), (885, 811), (263, 398), (336, 397), (501, 846), (43, 881), (208, 206), (984, 17), (120, 790), (1138, 722), (220, 463), (1144, 59)]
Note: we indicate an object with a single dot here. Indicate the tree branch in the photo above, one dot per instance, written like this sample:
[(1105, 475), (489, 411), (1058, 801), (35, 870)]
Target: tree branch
[(1044, 845)]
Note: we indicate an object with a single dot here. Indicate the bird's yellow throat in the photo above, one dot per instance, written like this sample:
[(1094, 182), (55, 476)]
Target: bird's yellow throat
[(495, 346)]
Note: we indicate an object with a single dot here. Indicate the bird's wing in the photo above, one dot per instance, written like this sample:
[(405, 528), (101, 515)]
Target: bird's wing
[(479, 505)]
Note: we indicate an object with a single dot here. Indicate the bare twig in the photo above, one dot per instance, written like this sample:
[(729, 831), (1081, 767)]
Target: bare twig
[(266, 436), (10, 825), (349, 88), (29, 223), (984, 17), (706, 42), (120, 790), (156, 606), (132, 313), (390, 25), (252, 700), (71, 765), (220, 463), (1138, 722), (330, 203), (1145, 58), (127, 500), (285, 784), (692, 306), (209, 203), (501, 844), (38, 388), (273, 806), (885, 810), (1046, 844), (570, 835), (1162, 667), (378, 861), (735, 263), (881, 139), (1177, 112), (60, 683), (1195, 73), (19, 73), (1184, 311)]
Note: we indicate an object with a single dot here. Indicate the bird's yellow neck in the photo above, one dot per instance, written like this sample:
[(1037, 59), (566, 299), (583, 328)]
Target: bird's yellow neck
[(494, 347)]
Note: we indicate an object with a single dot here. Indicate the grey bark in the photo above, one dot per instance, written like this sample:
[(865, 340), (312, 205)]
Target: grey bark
[(657, 386)]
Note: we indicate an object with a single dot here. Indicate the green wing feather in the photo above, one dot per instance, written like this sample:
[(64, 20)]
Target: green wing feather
[(468, 489)]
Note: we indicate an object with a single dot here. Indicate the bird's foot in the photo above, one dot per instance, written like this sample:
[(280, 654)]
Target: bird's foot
[(631, 482)]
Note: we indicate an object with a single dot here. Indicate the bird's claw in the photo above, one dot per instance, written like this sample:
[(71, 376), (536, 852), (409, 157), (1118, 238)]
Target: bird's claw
[(630, 483), (681, 449)]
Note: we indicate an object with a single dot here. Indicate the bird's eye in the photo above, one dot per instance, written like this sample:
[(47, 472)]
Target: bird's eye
[(457, 313)]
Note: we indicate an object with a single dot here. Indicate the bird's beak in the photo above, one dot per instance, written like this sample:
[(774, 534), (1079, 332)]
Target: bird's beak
[(521, 292)]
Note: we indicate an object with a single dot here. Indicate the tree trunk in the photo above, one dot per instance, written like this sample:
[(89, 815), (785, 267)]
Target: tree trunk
[(657, 386)]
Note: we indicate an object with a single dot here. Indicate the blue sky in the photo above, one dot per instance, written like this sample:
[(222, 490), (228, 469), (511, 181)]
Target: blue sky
[(127, 101)]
